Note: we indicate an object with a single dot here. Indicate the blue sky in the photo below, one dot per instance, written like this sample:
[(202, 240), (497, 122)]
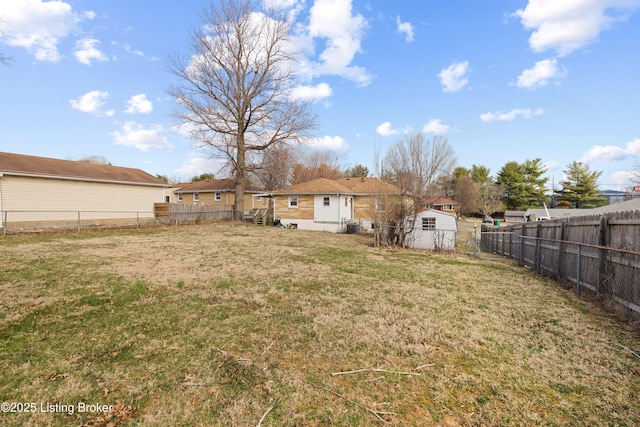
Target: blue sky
[(503, 80)]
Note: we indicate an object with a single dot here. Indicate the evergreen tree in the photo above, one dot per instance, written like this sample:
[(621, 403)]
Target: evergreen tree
[(580, 188), (523, 184), (358, 171), (202, 177), (480, 174)]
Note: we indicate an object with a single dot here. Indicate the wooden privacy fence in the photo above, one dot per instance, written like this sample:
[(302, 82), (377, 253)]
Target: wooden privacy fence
[(175, 213), (599, 254)]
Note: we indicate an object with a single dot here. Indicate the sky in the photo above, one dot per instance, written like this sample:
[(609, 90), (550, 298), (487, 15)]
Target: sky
[(502, 80)]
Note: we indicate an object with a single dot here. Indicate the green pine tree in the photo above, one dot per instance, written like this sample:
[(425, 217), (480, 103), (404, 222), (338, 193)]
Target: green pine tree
[(580, 187), (523, 184)]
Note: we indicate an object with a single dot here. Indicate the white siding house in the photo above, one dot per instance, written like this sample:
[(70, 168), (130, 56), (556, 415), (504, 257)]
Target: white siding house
[(38, 189), (431, 229)]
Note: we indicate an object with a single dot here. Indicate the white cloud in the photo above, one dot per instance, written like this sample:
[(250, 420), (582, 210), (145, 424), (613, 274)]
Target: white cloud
[(312, 93), (327, 143), (86, 51), (454, 77), (333, 22), (280, 4), (137, 52), (540, 74), (127, 48), (435, 126), (38, 26), (90, 102), (551, 165), (568, 25), (623, 178), (405, 28), (198, 165), (609, 153), (139, 104), (385, 129), (511, 115), (143, 138)]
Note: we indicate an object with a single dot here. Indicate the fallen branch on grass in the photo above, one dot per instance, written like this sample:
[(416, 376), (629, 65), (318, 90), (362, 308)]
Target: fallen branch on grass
[(264, 415), (267, 349), (357, 371), (359, 405), (630, 350), (192, 384), (424, 366)]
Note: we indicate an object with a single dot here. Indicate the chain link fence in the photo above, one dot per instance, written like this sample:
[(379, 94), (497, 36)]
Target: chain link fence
[(609, 273), (26, 221), (33, 221)]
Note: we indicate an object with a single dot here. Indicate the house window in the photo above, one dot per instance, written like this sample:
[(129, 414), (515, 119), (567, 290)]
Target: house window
[(196, 197), (258, 198), (218, 196), (326, 201), (428, 223), (346, 202), (293, 201), (179, 197)]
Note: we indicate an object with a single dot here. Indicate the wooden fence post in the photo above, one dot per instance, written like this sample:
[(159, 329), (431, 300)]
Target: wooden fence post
[(523, 234), (603, 285), (538, 259), (561, 272)]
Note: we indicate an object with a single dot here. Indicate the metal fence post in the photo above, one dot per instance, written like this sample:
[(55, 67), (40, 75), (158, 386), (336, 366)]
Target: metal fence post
[(475, 242), (78, 221)]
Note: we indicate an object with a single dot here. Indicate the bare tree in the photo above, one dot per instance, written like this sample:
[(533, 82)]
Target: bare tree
[(635, 172), (95, 159), (414, 164), (467, 193), (235, 87), (490, 200), (276, 168), (316, 164)]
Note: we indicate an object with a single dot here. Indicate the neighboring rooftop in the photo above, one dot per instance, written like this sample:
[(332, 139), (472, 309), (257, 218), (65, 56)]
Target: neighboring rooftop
[(23, 165), (211, 185), (315, 186), (439, 202), (368, 185), (360, 186)]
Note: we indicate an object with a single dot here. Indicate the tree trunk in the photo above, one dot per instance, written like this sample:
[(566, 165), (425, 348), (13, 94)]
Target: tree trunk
[(241, 172)]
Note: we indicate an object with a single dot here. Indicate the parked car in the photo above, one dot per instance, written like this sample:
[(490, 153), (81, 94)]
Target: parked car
[(487, 219)]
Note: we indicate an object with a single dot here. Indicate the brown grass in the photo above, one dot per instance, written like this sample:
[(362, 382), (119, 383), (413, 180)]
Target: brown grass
[(222, 324)]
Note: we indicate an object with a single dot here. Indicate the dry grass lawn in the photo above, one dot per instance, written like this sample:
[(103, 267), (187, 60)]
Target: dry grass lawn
[(235, 325)]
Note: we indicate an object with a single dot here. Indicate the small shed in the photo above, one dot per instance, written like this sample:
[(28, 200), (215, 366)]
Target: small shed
[(431, 229)]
